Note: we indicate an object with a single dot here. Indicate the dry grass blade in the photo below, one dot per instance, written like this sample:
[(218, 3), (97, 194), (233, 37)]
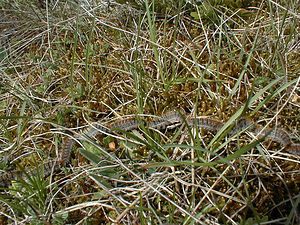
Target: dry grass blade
[(68, 65)]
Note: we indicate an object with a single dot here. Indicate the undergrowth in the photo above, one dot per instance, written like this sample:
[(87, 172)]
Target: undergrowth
[(67, 64)]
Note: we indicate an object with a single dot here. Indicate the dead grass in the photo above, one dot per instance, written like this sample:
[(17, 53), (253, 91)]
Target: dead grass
[(68, 64)]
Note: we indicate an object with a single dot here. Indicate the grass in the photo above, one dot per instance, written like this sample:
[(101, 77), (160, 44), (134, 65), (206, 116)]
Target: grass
[(67, 64)]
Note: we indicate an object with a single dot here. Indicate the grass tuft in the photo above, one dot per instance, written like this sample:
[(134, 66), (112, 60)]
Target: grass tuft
[(67, 64)]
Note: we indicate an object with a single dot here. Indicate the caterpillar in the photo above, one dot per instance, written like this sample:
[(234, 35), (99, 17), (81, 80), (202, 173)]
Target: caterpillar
[(172, 117)]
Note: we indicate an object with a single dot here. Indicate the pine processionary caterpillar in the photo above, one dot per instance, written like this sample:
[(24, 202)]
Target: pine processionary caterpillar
[(126, 125), (172, 117), (277, 135), (205, 123)]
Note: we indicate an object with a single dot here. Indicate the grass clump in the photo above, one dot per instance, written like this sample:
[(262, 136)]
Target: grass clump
[(66, 64)]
